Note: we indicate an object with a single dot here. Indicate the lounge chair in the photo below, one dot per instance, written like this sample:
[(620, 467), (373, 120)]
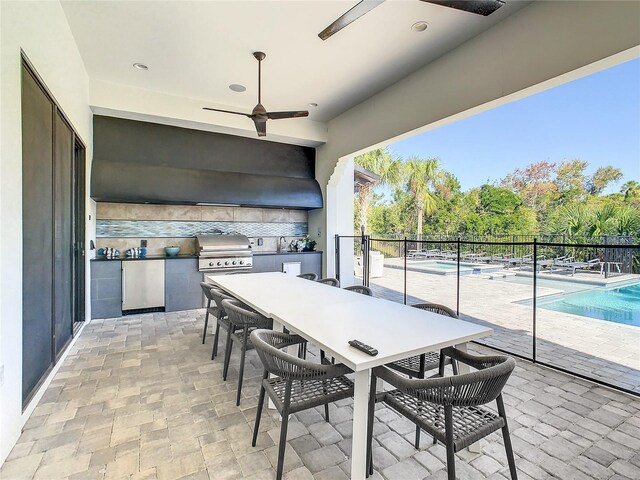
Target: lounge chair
[(588, 265)]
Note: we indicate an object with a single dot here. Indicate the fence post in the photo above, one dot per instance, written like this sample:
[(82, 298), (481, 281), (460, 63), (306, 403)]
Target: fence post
[(535, 288), (458, 281), (337, 257), (365, 260), (405, 270)]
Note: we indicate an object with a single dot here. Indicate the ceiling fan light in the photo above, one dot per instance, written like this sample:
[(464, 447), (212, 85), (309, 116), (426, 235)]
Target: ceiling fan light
[(313, 104), (140, 66), (236, 87)]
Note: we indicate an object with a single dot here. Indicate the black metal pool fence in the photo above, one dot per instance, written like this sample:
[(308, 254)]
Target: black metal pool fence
[(603, 257)]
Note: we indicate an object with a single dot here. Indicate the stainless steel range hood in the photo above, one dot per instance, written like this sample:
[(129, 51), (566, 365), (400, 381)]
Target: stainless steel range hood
[(140, 162)]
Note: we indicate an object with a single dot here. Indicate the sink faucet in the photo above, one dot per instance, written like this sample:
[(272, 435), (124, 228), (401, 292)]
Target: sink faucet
[(282, 244)]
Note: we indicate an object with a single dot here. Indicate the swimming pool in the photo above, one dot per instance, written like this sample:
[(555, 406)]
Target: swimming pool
[(618, 305)]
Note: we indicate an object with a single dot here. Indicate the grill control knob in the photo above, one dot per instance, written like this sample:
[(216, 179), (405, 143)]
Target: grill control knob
[(226, 263), (211, 264), (241, 262), (234, 262), (219, 263)]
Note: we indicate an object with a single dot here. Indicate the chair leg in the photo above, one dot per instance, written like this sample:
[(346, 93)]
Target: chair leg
[(283, 431), (454, 366), (441, 365), (245, 339), (214, 351), (206, 322), (417, 442), (451, 457), (372, 407), (259, 411), (227, 354), (326, 404), (507, 439)]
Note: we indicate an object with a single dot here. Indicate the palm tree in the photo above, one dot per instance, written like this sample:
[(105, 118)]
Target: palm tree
[(381, 162), (421, 176), (603, 220), (628, 221), (630, 189)]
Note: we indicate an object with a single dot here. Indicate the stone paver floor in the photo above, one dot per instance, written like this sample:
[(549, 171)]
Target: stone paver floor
[(139, 398)]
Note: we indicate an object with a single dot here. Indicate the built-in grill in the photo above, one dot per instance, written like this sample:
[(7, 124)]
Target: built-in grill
[(224, 253)]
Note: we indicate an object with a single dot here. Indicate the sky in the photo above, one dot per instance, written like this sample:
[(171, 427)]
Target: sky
[(595, 119)]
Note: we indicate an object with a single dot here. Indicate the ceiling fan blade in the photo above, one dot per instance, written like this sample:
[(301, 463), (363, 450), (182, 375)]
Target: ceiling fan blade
[(227, 111), (352, 15), (261, 127), (282, 115), (479, 7)]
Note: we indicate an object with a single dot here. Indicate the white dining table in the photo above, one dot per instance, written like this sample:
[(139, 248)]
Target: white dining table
[(329, 317)]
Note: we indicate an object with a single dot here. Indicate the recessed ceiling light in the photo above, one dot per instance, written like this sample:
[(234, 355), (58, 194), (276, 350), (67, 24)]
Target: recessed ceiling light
[(420, 26), (140, 66), (313, 104), (237, 87)]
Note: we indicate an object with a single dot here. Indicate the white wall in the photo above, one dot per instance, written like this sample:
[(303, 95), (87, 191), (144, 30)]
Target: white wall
[(40, 29), (541, 46)]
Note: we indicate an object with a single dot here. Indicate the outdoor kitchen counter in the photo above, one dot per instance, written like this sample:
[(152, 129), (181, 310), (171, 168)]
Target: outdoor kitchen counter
[(148, 257)]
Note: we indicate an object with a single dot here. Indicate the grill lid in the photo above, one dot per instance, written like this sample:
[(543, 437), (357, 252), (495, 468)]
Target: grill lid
[(208, 244)]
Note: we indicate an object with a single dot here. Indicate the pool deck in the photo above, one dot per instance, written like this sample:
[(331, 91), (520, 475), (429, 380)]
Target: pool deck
[(599, 349)]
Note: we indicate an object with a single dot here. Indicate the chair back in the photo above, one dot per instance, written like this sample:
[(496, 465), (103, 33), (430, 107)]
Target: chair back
[(436, 308), (308, 276), (463, 390), (334, 282), (360, 289), (206, 289), (269, 345), (218, 296), (241, 316)]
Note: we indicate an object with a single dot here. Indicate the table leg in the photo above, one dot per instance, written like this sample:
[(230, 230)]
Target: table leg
[(464, 368), (360, 415)]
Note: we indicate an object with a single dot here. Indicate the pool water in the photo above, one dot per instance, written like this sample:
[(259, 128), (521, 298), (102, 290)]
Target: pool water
[(619, 305)]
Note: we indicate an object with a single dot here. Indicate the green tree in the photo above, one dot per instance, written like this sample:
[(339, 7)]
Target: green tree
[(571, 179), (421, 176), (499, 200), (630, 189), (601, 179), (382, 163)]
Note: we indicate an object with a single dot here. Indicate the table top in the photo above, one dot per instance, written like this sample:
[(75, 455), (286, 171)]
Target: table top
[(329, 317)]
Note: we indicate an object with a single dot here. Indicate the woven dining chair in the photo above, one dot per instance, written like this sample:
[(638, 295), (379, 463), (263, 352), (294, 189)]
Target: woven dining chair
[(360, 289), (211, 309), (418, 365), (218, 296), (296, 384), (334, 282), (450, 408), (242, 322), (308, 276)]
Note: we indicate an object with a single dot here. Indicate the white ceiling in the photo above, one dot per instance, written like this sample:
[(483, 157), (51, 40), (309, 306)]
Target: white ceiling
[(196, 49)]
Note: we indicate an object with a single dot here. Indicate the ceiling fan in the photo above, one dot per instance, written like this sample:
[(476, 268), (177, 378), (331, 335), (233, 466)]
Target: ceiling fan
[(259, 115), (479, 7)]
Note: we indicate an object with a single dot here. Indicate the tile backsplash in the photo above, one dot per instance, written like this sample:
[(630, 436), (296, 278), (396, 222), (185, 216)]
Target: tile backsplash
[(123, 226)]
